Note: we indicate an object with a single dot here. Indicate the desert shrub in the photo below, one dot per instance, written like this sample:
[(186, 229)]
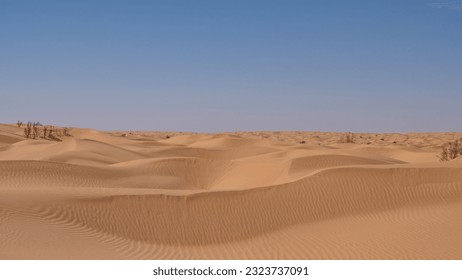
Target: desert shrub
[(28, 130), (51, 132), (31, 130), (348, 137), (451, 150), (66, 132), (35, 131), (19, 124), (54, 133)]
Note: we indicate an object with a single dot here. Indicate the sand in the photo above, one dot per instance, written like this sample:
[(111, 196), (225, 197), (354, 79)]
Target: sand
[(240, 195)]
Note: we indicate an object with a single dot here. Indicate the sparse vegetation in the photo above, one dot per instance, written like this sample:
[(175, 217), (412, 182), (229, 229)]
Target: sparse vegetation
[(34, 130), (52, 134), (348, 137), (19, 124), (28, 130), (451, 150), (66, 131)]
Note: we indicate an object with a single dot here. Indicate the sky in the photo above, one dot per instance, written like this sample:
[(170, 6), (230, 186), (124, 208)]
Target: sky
[(233, 65)]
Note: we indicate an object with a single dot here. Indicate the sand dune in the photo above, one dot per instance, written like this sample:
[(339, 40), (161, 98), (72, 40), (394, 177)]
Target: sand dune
[(241, 195)]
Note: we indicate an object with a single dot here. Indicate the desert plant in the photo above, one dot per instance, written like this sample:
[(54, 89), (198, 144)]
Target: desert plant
[(28, 130), (451, 150), (66, 132), (35, 130), (19, 124), (52, 134), (348, 137)]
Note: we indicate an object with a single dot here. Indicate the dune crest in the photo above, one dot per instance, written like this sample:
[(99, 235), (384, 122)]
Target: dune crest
[(240, 195)]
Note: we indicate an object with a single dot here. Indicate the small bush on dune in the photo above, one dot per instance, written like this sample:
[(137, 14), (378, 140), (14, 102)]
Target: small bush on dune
[(19, 124), (451, 150), (66, 132), (348, 137), (33, 130), (52, 134), (28, 130)]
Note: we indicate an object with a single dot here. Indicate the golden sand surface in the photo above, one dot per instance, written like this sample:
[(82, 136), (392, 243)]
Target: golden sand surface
[(239, 195)]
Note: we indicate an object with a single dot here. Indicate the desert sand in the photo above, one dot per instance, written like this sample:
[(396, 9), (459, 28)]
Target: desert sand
[(240, 195)]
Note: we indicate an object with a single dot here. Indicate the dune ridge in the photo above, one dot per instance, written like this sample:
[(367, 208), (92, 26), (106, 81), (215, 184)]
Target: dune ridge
[(252, 195)]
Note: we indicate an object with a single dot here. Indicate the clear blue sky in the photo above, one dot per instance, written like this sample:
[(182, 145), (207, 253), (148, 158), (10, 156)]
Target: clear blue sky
[(227, 65)]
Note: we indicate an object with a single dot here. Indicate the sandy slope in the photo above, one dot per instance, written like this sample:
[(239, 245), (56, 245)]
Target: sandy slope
[(243, 195)]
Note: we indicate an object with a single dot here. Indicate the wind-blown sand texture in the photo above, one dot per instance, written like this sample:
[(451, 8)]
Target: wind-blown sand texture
[(243, 195)]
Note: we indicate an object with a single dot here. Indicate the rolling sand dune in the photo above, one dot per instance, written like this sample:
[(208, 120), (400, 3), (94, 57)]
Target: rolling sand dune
[(242, 195)]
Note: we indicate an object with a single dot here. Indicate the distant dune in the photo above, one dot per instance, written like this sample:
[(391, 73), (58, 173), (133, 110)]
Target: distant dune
[(240, 195)]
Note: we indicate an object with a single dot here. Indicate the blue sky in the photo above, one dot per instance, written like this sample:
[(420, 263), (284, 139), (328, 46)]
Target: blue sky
[(219, 65)]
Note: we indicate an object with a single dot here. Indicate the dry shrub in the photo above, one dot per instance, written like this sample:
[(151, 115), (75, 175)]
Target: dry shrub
[(66, 132), (28, 130), (451, 150), (45, 131), (348, 137), (33, 130), (52, 134)]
